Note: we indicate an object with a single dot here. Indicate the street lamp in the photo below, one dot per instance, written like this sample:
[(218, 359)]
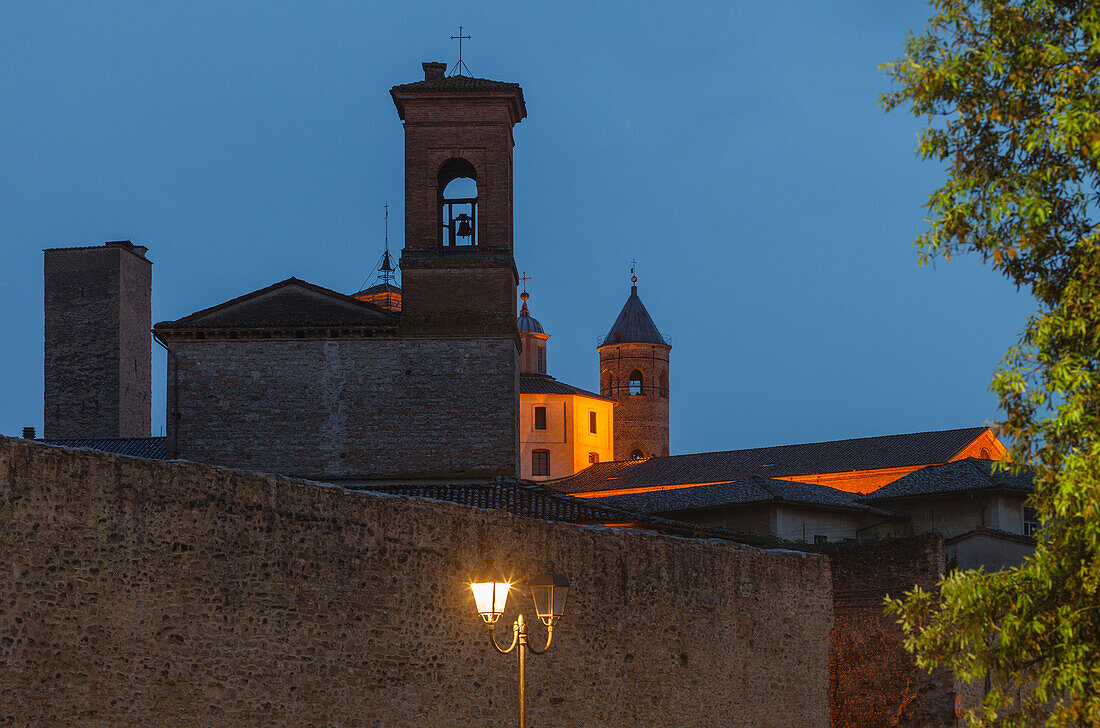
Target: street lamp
[(548, 591)]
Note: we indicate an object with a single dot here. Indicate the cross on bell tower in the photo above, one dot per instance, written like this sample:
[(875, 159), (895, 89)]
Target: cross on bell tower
[(459, 67)]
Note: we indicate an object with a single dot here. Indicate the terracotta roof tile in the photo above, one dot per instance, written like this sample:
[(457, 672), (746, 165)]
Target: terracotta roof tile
[(150, 448), (836, 456), (962, 476)]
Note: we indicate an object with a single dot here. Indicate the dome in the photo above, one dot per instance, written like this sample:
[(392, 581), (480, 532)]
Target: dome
[(525, 322)]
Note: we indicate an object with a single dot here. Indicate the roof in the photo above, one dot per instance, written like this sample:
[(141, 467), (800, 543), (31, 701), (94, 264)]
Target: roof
[(752, 490), (529, 500), (292, 303), (545, 384), (962, 476), (150, 448), (634, 325), (835, 456), (517, 498), (465, 84)]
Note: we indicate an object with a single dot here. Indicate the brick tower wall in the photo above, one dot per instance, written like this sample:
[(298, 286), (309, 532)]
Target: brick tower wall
[(97, 361), (641, 421), (459, 290)]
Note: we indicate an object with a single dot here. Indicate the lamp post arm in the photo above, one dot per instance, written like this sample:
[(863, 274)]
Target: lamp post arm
[(549, 639), (515, 639)]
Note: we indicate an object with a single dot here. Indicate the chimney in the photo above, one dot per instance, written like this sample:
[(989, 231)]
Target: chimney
[(28, 433), (434, 71)]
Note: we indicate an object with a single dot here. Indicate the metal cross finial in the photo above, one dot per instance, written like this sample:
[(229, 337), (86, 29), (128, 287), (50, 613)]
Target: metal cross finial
[(525, 278), (457, 69), (633, 265)]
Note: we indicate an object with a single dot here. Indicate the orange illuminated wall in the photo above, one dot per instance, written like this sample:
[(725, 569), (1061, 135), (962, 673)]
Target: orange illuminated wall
[(389, 300)]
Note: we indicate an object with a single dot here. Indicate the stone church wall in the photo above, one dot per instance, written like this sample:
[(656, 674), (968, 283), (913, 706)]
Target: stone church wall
[(149, 593), (361, 409), (874, 681)]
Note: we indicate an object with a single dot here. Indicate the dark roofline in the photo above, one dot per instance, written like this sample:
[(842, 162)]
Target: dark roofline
[(995, 533), (180, 323)]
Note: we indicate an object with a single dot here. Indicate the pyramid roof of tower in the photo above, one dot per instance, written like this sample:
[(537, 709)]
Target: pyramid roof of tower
[(634, 325)]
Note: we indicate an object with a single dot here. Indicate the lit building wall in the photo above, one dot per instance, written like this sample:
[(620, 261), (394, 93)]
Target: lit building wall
[(567, 436)]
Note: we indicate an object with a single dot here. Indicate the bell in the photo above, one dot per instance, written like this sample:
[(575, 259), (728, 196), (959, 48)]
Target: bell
[(464, 229)]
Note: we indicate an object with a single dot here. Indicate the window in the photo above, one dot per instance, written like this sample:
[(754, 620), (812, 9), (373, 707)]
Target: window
[(818, 538), (985, 454), (664, 384), (542, 360), (593, 457), (540, 418), (1031, 522), (591, 421), (636, 383), (637, 455), (540, 462)]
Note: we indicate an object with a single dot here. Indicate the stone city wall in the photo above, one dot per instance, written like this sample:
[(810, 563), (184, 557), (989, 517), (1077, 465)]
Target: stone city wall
[(874, 681), (149, 593)]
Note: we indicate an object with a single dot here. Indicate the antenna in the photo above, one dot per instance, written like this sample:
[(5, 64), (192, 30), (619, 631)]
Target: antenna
[(386, 271)]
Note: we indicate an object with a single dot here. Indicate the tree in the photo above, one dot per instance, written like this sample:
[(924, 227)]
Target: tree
[(1011, 93)]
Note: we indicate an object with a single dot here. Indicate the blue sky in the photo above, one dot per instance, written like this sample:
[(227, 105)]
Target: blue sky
[(737, 150)]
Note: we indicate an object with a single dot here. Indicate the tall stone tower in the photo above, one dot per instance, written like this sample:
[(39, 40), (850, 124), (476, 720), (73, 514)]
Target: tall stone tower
[(458, 273), (98, 349), (634, 372)]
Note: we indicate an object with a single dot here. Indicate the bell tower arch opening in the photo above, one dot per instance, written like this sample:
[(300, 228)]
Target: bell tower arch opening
[(457, 205)]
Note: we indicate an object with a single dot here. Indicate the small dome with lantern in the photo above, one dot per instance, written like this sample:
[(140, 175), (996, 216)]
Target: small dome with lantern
[(525, 322)]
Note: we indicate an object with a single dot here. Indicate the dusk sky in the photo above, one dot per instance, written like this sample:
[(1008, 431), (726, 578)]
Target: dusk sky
[(736, 150)]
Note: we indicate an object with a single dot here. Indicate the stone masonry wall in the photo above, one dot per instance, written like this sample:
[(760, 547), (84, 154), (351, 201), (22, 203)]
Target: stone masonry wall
[(874, 681), (152, 593), (348, 408), (97, 345)]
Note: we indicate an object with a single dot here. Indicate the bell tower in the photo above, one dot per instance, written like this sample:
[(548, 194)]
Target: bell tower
[(634, 372), (458, 272)]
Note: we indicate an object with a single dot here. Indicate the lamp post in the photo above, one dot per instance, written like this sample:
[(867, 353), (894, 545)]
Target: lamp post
[(548, 592)]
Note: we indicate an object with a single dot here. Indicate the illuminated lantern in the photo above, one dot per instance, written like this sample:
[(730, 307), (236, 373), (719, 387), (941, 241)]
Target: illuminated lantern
[(490, 592), (549, 590)]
